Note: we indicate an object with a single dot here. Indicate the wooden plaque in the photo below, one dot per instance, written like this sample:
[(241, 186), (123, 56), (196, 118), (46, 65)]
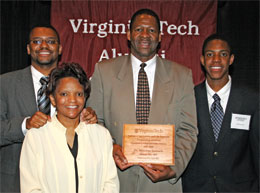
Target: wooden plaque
[(149, 144)]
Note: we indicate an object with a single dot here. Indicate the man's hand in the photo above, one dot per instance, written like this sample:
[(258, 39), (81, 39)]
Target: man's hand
[(88, 115), (157, 172), (119, 157), (37, 120)]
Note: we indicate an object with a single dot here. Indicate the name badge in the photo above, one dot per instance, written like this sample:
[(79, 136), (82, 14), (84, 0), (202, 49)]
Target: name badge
[(239, 121)]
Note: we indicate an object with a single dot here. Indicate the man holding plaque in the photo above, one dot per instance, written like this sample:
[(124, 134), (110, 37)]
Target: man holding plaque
[(226, 158), (142, 88)]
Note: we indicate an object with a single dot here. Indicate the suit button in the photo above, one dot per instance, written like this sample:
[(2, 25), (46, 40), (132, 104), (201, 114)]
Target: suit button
[(215, 153)]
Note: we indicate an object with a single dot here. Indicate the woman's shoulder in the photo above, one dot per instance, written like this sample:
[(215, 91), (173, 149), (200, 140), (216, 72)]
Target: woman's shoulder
[(94, 129)]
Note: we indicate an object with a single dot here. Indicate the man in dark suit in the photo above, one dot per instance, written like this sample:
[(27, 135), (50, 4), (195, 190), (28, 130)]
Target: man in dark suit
[(226, 158), (18, 106), (114, 97)]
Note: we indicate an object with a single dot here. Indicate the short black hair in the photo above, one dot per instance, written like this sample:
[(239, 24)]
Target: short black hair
[(216, 37), (68, 70), (147, 12), (45, 26)]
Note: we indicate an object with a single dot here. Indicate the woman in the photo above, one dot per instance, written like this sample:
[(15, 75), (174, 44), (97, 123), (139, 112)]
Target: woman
[(67, 155)]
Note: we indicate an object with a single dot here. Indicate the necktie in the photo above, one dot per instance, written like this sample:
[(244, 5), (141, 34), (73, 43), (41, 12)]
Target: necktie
[(142, 97), (217, 115), (42, 99)]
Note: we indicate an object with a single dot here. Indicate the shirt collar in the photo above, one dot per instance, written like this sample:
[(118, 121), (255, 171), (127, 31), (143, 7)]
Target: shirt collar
[(57, 124), (136, 62), (36, 75), (224, 90)]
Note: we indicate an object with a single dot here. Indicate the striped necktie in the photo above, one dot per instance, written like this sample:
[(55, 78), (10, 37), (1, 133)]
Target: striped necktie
[(217, 115), (43, 100), (142, 97)]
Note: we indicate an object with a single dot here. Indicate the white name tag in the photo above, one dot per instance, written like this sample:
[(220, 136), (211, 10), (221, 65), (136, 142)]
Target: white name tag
[(240, 121)]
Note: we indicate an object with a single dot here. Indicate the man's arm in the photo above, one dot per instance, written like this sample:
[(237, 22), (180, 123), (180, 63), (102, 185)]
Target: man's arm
[(11, 128), (96, 100), (185, 135), (186, 127), (11, 131), (13, 112)]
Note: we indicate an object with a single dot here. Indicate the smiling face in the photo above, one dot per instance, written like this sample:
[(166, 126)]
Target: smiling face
[(44, 47), (216, 61), (68, 99), (144, 37)]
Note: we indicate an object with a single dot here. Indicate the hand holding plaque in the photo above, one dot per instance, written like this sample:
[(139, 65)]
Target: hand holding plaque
[(149, 144)]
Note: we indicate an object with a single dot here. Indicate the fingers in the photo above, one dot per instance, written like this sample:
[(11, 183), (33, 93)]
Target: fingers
[(118, 154), (49, 118), (88, 115), (152, 167), (92, 119), (157, 172), (148, 171), (37, 120), (119, 157)]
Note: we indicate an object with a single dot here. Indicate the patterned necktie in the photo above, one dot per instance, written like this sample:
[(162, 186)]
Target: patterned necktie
[(142, 97), (43, 100), (217, 115)]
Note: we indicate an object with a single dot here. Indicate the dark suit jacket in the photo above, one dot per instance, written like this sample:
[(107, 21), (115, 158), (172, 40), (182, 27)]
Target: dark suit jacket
[(17, 102), (231, 164), (173, 102)]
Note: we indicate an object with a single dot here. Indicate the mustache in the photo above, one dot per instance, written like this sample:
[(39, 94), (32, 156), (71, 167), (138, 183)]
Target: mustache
[(44, 49), (144, 39)]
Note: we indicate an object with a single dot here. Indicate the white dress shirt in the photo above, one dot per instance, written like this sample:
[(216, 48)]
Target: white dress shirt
[(150, 72), (47, 165), (223, 93)]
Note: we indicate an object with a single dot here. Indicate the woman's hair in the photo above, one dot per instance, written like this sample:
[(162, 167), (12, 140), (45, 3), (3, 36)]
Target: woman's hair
[(68, 70)]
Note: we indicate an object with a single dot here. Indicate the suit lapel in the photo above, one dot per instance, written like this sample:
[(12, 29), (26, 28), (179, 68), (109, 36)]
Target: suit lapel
[(162, 93), (126, 88), (204, 120), (25, 89), (233, 105)]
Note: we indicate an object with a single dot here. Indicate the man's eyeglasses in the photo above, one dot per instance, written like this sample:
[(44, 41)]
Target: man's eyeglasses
[(47, 41)]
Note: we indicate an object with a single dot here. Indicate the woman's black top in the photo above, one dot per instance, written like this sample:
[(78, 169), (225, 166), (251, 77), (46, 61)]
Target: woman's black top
[(74, 152)]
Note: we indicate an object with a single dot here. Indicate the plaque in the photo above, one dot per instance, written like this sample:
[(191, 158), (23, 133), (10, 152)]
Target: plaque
[(147, 143)]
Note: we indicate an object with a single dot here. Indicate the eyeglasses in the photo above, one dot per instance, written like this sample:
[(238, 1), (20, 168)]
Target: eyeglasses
[(47, 41)]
